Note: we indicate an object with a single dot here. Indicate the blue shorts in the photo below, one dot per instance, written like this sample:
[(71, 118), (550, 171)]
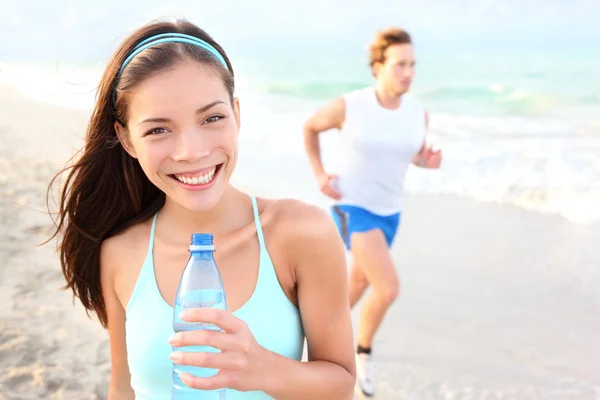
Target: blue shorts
[(350, 219)]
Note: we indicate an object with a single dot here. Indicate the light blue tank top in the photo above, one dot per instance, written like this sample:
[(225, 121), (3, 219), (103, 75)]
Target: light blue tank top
[(274, 321)]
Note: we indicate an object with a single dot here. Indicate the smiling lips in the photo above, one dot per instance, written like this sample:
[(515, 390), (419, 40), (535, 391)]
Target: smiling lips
[(198, 178)]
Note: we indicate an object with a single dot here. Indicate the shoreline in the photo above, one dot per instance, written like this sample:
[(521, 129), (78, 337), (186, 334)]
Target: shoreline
[(566, 203)]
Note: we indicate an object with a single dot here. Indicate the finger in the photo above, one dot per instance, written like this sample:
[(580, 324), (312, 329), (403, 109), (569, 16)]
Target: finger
[(229, 360), (434, 163), (223, 379), (220, 318), (334, 194), (207, 337)]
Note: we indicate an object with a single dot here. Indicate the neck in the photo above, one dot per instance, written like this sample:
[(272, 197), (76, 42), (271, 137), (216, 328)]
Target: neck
[(219, 220), (387, 98)]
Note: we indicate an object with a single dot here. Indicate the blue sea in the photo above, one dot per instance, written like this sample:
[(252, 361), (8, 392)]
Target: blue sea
[(519, 127)]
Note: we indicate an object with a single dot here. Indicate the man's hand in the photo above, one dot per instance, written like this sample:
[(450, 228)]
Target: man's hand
[(326, 185), (428, 158)]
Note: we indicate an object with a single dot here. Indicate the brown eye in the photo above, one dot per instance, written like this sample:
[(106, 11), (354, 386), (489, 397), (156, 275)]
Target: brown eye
[(214, 118), (155, 131)]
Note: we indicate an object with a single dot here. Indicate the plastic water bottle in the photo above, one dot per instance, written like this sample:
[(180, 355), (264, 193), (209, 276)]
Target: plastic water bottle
[(200, 286)]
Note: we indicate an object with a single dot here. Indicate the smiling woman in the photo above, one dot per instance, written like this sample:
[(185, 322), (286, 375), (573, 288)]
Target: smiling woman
[(161, 146), (182, 131)]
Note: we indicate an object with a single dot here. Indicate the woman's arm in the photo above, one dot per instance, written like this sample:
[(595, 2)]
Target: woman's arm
[(317, 253), (119, 387)]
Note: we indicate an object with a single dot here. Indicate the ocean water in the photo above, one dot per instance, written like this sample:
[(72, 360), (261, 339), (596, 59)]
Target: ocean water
[(520, 128)]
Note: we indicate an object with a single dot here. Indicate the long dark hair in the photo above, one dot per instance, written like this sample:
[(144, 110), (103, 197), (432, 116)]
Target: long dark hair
[(105, 190)]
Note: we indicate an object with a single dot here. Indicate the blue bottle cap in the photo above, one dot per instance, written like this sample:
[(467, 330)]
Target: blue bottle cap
[(202, 242)]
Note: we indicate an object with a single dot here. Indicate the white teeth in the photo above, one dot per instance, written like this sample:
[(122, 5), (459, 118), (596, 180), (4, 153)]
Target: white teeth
[(199, 179)]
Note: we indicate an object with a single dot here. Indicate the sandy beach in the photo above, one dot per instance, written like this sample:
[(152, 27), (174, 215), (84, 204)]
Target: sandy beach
[(497, 302)]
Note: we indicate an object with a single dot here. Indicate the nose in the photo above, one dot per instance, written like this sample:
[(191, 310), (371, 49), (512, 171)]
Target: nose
[(190, 147)]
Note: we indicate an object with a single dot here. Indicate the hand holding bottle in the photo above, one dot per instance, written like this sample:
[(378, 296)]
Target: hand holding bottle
[(242, 362)]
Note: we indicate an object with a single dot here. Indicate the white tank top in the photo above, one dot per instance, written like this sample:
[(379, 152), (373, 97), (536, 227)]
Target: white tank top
[(377, 147)]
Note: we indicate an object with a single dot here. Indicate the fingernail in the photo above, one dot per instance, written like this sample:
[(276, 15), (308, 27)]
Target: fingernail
[(173, 339), (175, 356), (184, 314)]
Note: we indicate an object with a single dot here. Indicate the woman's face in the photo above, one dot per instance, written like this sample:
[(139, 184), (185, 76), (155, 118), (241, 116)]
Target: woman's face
[(183, 129)]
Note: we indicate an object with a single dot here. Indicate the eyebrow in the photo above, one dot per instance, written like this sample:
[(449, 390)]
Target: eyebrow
[(198, 111)]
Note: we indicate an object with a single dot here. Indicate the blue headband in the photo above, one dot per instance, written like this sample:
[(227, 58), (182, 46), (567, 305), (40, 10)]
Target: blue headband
[(166, 38)]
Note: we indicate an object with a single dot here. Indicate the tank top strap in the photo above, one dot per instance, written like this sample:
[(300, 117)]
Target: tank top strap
[(147, 270), (267, 290), (259, 232), (152, 231)]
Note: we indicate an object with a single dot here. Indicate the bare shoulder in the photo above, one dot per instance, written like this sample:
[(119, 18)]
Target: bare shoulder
[(127, 241), (304, 238), (125, 249), (337, 105), (300, 224), (331, 115)]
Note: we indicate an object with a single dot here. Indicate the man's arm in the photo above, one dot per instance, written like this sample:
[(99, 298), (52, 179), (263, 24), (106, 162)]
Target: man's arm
[(331, 116), (427, 157)]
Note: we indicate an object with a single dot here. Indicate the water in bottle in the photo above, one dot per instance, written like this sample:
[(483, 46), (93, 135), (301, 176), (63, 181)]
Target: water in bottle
[(200, 286)]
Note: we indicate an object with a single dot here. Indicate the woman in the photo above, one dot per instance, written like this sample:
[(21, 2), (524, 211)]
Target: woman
[(160, 148)]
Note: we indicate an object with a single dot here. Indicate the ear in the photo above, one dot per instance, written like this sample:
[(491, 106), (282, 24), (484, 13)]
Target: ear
[(236, 111), (123, 136), (375, 68)]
